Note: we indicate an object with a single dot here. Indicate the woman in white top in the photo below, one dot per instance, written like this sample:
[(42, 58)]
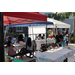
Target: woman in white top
[(30, 45), (39, 37), (29, 48), (21, 41)]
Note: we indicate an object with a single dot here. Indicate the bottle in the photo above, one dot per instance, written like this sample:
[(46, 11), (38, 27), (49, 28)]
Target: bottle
[(5, 59)]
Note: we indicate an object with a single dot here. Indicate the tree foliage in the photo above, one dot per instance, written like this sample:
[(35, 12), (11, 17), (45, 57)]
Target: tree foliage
[(60, 16)]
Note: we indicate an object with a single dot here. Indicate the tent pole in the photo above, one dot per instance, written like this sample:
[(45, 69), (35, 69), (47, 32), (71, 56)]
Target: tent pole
[(32, 31), (2, 55), (46, 34), (5, 30)]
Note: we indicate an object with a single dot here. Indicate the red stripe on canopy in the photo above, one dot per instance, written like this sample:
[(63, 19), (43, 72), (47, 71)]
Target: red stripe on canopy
[(23, 17)]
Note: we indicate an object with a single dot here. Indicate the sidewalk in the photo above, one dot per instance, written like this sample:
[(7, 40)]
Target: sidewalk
[(72, 58)]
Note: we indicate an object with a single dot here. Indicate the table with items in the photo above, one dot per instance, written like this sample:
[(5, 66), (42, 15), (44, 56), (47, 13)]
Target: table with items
[(55, 55), (39, 42)]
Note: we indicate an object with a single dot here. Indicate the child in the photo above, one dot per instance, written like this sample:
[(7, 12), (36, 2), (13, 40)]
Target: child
[(67, 40), (64, 40)]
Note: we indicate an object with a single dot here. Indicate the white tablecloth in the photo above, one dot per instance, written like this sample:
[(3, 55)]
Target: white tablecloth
[(56, 56), (39, 42), (18, 46)]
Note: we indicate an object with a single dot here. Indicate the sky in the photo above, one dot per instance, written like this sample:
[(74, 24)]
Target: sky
[(48, 12)]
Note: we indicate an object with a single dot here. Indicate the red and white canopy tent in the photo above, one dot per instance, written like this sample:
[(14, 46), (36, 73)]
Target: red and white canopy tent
[(11, 18), (17, 18), (22, 18)]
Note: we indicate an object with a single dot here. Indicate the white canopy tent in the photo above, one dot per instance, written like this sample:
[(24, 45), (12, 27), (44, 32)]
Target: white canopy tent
[(57, 24), (42, 29)]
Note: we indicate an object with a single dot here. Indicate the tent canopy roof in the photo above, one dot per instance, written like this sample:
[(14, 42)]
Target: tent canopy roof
[(34, 24), (59, 24), (23, 17)]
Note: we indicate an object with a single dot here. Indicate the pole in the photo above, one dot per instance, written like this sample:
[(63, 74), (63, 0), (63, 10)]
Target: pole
[(55, 19), (5, 30), (2, 59), (32, 31), (46, 34)]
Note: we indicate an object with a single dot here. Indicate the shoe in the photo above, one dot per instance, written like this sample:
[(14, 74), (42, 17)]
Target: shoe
[(30, 56)]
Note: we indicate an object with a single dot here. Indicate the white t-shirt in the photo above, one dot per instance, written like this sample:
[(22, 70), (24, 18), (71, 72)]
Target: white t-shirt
[(30, 48), (22, 44), (39, 38)]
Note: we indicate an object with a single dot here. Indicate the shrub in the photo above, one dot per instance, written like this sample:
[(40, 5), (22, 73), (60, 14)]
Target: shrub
[(72, 39)]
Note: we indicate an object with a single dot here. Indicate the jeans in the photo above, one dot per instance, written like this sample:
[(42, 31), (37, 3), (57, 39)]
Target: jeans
[(62, 44)]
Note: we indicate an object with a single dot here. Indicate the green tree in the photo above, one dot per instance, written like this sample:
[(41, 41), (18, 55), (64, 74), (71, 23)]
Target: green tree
[(59, 16)]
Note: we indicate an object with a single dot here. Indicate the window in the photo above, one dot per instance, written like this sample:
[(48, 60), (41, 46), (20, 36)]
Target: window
[(19, 29)]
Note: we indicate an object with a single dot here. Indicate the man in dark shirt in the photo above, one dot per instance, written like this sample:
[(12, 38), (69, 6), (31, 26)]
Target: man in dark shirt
[(59, 39), (8, 42)]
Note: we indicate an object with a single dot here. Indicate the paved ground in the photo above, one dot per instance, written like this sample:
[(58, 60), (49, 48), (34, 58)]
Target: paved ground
[(70, 59)]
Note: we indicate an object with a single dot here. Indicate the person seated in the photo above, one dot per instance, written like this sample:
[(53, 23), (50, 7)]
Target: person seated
[(43, 49), (10, 47), (8, 43), (29, 49), (30, 46), (43, 37), (39, 37), (21, 40)]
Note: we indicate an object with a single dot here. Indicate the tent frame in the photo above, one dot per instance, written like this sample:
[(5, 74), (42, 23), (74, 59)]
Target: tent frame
[(17, 15), (2, 55)]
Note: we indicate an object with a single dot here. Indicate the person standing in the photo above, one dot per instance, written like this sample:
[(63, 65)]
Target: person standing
[(64, 40), (67, 40), (10, 48), (66, 31), (59, 39)]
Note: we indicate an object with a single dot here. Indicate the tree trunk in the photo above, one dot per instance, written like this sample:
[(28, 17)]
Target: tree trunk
[(74, 28)]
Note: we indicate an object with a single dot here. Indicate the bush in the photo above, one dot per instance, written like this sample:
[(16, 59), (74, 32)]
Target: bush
[(72, 40), (12, 34)]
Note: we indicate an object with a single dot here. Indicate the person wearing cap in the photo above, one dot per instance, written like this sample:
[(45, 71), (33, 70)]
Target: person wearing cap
[(59, 39)]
